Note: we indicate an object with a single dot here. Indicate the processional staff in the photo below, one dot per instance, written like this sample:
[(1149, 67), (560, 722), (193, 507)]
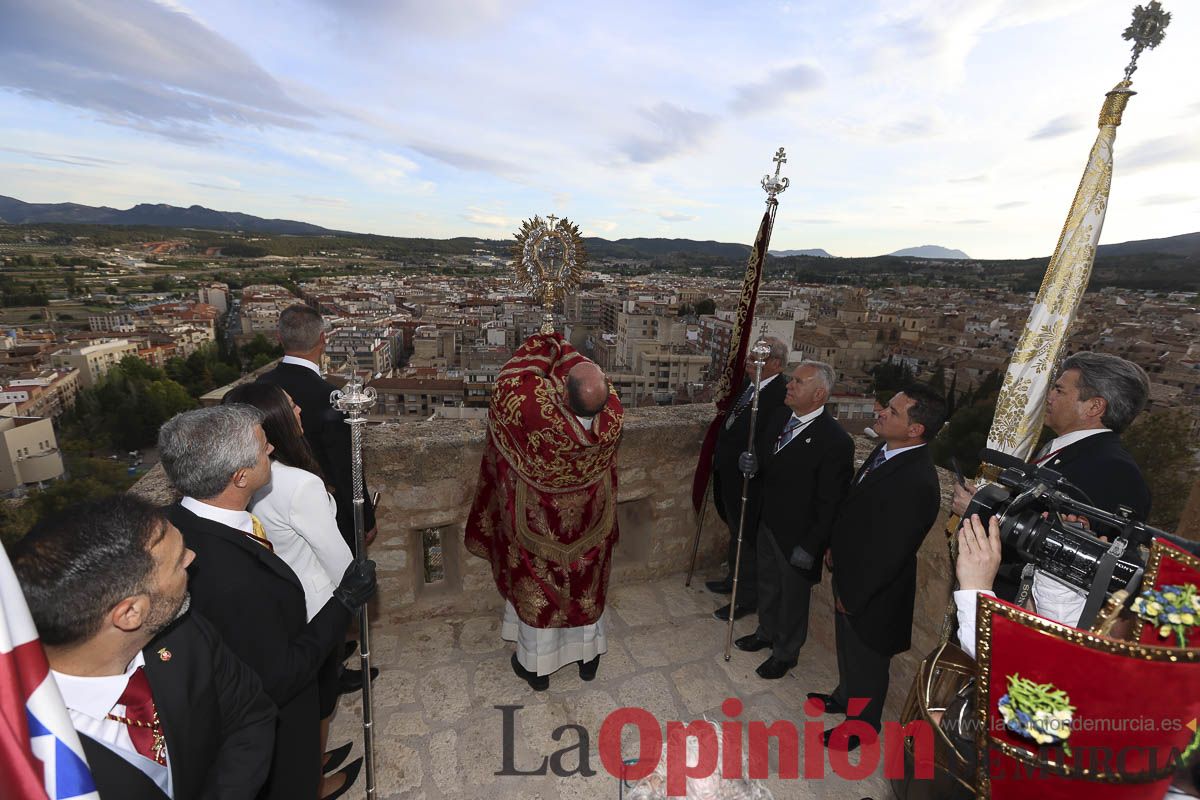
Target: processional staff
[(735, 359), (759, 355), (353, 400)]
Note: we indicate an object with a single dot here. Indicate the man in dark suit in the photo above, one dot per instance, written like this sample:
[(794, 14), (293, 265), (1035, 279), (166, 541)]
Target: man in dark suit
[(161, 705), (217, 458), (732, 441), (807, 461), (892, 504), (302, 335), (1095, 397)]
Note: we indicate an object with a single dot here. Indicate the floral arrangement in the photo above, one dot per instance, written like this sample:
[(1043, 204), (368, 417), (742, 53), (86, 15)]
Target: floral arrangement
[(1037, 711), (1171, 609)]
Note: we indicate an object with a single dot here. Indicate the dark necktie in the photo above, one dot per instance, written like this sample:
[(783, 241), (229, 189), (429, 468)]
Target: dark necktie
[(789, 432), (141, 718), (873, 464), (742, 404)]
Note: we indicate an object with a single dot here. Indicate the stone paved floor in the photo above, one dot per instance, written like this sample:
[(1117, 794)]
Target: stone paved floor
[(438, 734)]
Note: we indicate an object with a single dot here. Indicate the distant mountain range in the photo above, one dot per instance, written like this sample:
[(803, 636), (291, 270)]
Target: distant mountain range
[(818, 252), (17, 212), (931, 251), (1186, 244)]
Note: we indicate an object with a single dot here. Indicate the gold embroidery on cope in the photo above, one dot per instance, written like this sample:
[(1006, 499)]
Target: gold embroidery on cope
[(564, 552)]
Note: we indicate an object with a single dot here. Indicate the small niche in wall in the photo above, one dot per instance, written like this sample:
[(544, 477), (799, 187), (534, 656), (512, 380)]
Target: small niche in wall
[(433, 557), (636, 521)]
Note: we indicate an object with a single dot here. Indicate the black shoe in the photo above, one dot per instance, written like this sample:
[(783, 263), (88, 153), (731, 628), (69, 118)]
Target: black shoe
[(752, 643), (832, 704), (350, 680), (351, 773), (852, 741), (350, 649), (539, 683), (743, 609), (336, 757), (587, 669), (773, 668), (723, 586)]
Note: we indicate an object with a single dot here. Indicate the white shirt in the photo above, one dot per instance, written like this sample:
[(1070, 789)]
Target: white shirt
[(300, 519), (889, 454), (1054, 598), (765, 381), (1051, 604), (805, 421), (302, 362), (234, 519), (965, 600), (1058, 443), (90, 700)]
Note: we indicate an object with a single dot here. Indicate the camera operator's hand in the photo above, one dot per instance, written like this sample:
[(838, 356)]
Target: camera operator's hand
[(978, 554), (357, 586), (748, 464), (963, 492), (1082, 522)]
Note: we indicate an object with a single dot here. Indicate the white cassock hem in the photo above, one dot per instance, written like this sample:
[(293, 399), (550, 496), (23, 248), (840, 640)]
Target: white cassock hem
[(546, 650)]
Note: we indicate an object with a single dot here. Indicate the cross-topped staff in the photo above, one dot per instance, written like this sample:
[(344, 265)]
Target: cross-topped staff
[(759, 355), (731, 374), (353, 400)]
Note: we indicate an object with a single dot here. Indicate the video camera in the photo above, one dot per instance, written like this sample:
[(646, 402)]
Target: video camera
[(1030, 504)]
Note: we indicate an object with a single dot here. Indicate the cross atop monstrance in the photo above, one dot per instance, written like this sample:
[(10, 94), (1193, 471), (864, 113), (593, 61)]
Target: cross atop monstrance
[(548, 259)]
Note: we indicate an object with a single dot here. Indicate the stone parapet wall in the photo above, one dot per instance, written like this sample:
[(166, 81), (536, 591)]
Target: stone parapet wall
[(425, 473)]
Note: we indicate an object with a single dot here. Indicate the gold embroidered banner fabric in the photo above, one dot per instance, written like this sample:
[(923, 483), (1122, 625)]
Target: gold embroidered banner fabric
[(1019, 409)]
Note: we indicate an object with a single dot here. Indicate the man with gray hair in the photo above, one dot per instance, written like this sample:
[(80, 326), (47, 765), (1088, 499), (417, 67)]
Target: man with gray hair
[(807, 461), (1095, 397), (217, 458), (302, 335), (727, 478)]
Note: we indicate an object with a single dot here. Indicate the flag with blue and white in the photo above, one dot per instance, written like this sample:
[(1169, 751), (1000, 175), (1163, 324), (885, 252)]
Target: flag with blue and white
[(40, 754)]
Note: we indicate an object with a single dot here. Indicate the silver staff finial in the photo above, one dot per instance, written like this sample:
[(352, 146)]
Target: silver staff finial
[(1146, 31), (775, 185)]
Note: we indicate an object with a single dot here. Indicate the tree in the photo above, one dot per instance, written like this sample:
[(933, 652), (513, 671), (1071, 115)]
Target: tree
[(706, 306), (127, 407), (1164, 446), (892, 377), (259, 352)]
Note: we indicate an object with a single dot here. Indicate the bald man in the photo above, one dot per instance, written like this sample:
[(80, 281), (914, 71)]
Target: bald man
[(545, 506)]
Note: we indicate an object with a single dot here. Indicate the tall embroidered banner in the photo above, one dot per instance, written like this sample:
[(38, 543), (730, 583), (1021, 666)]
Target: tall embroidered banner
[(743, 330), (1021, 404)]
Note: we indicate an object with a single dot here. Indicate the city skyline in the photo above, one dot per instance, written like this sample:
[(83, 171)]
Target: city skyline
[(964, 125)]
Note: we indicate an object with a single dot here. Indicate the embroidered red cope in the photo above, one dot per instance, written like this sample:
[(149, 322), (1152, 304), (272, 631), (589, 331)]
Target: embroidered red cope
[(545, 505)]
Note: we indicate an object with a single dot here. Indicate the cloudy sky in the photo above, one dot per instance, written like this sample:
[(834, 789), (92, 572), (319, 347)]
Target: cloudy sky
[(963, 123)]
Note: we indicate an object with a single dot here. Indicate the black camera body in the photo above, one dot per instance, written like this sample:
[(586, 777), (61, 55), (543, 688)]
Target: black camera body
[(1030, 504)]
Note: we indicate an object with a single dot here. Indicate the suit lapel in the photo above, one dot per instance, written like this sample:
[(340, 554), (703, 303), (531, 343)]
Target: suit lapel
[(242, 541), (1086, 447), (170, 702), (802, 442), (887, 467), (858, 472), (115, 776)]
